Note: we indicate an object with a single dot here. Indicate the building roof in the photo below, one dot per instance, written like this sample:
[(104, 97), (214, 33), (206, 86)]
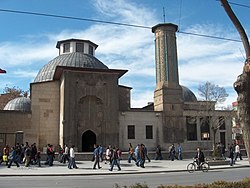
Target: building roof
[(188, 95), (20, 104), (164, 25), (74, 59), (75, 40)]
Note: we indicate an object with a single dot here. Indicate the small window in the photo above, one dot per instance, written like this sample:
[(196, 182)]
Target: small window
[(91, 50), (205, 128), (149, 132), (79, 47), (191, 128), (66, 47), (131, 132)]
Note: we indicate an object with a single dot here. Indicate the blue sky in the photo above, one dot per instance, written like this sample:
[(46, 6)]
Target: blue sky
[(27, 42)]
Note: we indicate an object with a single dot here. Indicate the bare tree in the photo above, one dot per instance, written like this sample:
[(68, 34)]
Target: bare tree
[(242, 85), (10, 93), (212, 94)]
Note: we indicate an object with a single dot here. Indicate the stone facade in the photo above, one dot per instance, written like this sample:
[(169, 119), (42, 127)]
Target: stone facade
[(77, 100), (14, 122), (45, 112), (90, 104)]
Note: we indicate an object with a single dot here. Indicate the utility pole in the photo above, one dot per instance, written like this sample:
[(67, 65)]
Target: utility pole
[(242, 85)]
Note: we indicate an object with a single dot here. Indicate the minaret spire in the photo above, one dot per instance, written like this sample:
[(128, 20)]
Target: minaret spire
[(166, 55), (168, 91)]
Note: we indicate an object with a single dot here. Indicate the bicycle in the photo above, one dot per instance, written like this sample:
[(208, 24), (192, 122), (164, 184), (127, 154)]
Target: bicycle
[(191, 167)]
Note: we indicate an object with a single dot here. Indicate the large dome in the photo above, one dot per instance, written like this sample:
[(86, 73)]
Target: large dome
[(75, 59), (19, 104), (188, 95)]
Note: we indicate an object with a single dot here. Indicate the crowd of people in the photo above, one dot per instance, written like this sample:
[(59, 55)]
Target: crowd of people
[(21, 154), (29, 155), (234, 153)]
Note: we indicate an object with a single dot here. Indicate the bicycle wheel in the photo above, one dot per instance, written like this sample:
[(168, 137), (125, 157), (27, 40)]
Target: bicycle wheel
[(191, 167), (204, 167)]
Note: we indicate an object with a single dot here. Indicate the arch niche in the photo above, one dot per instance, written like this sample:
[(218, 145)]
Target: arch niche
[(88, 141)]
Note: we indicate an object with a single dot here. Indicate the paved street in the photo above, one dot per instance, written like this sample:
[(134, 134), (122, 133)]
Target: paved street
[(152, 180), (85, 168)]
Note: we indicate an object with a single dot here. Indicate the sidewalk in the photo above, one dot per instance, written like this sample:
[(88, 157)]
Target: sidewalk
[(85, 168)]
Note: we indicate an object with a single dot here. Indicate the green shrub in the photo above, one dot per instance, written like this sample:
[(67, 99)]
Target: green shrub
[(245, 183)]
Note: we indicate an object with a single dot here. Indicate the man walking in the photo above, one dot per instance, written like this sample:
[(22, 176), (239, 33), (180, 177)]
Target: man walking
[(72, 161), (96, 157), (13, 157), (237, 152), (115, 159)]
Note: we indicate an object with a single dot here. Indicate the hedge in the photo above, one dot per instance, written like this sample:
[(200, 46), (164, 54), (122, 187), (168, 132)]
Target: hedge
[(245, 183)]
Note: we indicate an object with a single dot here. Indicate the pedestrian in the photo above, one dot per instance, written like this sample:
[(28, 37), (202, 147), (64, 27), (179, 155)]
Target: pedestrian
[(18, 153), (237, 152), (66, 154), (96, 155), (231, 154), (158, 153), (72, 161), (146, 153), (60, 153), (33, 153), (22, 153), (179, 151), (38, 158), (131, 153), (137, 153), (108, 155), (141, 159), (172, 153), (50, 155), (101, 152), (222, 151), (119, 152), (115, 159), (13, 157), (6, 152), (27, 154)]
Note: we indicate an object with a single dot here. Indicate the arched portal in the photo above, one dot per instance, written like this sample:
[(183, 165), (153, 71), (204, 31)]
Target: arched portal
[(88, 141)]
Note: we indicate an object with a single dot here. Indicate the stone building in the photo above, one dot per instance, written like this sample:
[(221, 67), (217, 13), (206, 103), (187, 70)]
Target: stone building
[(76, 99)]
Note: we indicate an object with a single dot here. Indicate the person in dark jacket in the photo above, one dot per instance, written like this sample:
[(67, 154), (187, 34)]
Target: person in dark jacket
[(13, 157), (231, 154), (96, 155), (199, 157), (115, 159), (158, 153)]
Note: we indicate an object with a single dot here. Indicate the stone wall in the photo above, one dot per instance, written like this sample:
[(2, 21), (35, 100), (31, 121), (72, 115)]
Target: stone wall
[(13, 121), (45, 112), (140, 119)]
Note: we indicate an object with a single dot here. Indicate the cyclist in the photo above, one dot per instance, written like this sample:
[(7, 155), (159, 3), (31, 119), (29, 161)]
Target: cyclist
[(199, 157)]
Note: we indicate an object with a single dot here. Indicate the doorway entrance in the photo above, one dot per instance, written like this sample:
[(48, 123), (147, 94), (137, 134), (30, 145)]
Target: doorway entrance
[(88, 141), (223, 138)]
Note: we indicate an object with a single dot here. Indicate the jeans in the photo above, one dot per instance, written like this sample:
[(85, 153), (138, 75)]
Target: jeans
[(72, 163), (115, 162)]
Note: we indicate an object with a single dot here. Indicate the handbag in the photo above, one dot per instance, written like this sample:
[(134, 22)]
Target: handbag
[(5, 158)]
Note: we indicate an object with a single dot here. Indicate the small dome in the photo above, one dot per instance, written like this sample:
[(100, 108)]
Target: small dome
[(188, 95), (75, 59), (19, 104)]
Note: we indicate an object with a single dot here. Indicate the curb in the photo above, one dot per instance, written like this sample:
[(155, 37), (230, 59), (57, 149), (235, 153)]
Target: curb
[(116, 173)]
